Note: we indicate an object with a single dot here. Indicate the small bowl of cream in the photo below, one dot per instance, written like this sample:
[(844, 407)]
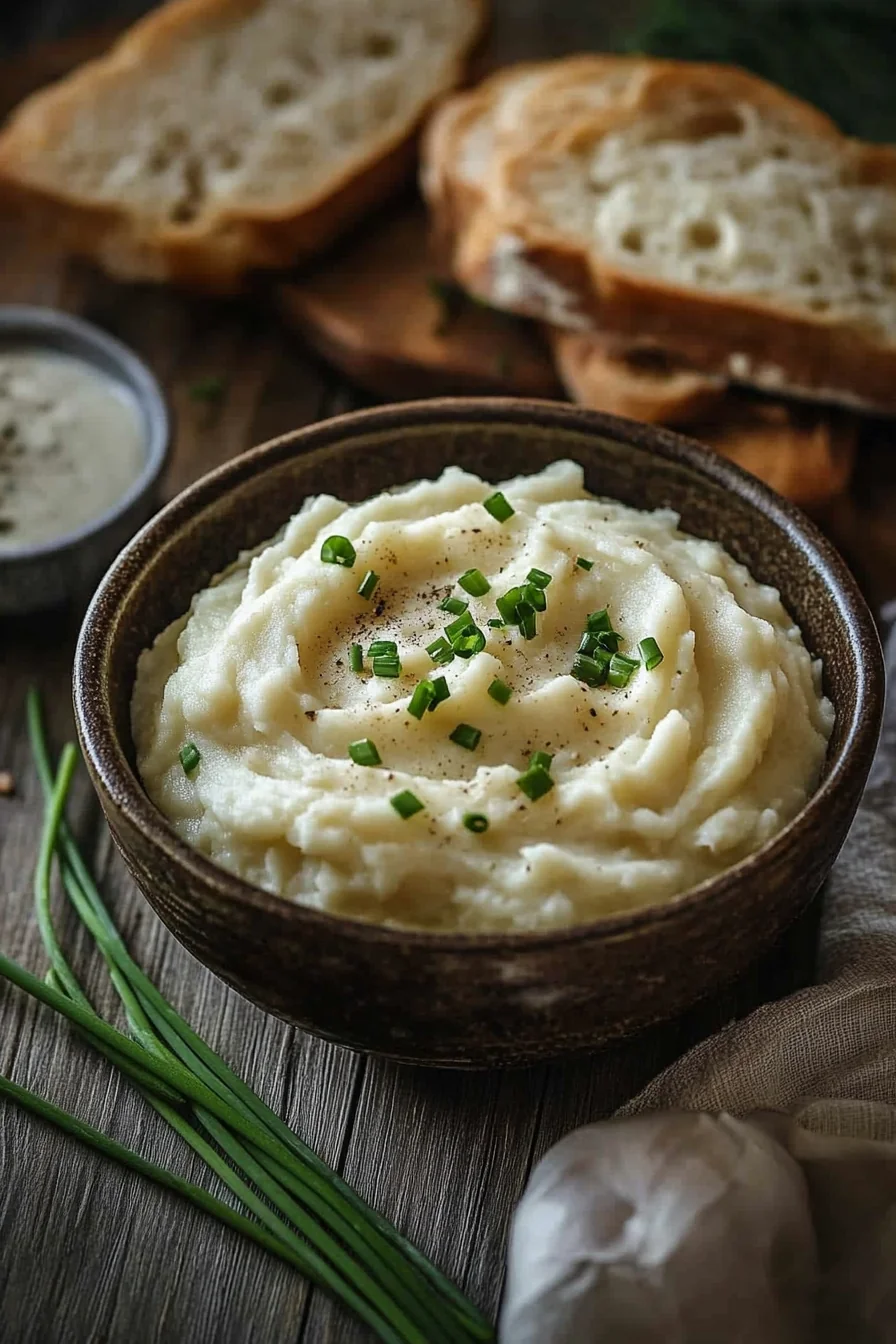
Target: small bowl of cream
[(84, 433)]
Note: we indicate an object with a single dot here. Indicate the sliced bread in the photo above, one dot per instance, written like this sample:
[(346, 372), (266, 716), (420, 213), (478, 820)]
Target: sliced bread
[(222, 135), (710, 213)]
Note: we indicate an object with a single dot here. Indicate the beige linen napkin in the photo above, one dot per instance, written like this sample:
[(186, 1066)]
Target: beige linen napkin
[(663, 1228)]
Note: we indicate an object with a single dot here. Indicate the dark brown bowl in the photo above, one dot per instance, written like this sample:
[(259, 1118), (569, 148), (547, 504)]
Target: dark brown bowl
[(474, 1000)]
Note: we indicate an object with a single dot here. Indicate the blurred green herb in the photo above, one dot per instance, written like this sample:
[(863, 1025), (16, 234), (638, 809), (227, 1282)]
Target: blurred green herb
[(838, 54), (208, 390)]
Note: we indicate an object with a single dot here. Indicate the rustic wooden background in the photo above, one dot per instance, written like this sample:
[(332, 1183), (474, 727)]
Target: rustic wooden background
[(90, 1253)]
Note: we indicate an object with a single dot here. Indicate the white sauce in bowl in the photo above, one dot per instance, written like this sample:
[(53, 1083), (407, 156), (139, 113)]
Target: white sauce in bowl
[(71, 445)]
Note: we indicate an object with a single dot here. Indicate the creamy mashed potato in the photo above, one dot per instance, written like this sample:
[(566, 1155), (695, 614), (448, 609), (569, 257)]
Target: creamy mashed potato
[(656, 785)]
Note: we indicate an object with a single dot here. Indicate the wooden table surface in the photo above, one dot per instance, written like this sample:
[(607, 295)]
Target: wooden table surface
[(91, 1253)]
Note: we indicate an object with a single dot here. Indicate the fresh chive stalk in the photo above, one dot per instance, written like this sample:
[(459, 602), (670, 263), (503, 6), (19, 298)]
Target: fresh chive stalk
[(583, 563), (364, 752), (406, 804), (535, 782), (386, 665), (418, 1303), (620, 671), (382, 646), (356, 658), (338, 550), (440, 692), (472, 641), (466, 736), (500, 691), (421, 700), (456, 605), (189, 757), (651, 653), (592, 669), (474, 582), (542, 758), (499, 507), (477, 822), (440, 651), (539, 577), (367, 586)]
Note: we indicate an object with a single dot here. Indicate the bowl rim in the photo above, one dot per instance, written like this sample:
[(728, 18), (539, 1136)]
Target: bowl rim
[(114, 778), (37, 327)]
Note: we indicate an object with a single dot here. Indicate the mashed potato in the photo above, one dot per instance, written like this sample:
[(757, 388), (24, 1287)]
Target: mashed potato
[(657, 784)]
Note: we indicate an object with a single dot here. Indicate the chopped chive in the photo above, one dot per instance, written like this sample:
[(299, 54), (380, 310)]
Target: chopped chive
[(525, 614), (368, 584), (364, 752), (609, 640), (470, 642), (621, 669), (356, 655), (588, 643), (539, 577), (592, 669), (456, 605), (386, 665), (535, 783), (189, 757), (535, 596), (465, 735), (542, 758), (500, 691), (420, 701), (338, 551), (406, 804), (499, 507), (583, 563), (456, 628), (495, 623), (651, 653), (381, 646), (507, 604), (440, 692), (440, 651), (474, 582), (476, 822), (598, 621)]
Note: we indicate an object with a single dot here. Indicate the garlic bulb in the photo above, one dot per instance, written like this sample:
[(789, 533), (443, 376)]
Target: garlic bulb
[(668, 1229)]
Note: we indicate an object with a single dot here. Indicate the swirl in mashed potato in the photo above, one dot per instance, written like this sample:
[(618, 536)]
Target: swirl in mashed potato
[(657, 786)]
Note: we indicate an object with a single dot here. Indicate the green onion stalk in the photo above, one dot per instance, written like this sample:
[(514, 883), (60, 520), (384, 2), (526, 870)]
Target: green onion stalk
[(302, 1210)]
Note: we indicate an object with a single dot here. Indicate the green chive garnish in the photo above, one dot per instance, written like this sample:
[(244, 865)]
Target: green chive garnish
[(364, 752), (474, 582), (539, 578), (525, 615), (495, 623), (470, 642), (592, 669), (583, 563), (441, 692), (620, 670), (476, 822), (535, 783), (386, 665), (500, 691), (507, 604), (406, 804), (542, 758), (499, 507), (356, 656), (456, 605), (609, 641), (381, 646), (338, 551), (368, 584), (456, 628), (651, 653), (440, 651), (588, 643), (599, 621), (535, 596), (189, 757), (422, 699), (465, 735)]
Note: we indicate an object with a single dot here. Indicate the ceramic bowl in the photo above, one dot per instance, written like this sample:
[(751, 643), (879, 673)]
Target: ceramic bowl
[(474, 1000), (33, 578)]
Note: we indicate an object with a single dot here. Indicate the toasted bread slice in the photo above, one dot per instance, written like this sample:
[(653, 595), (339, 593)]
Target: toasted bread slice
[(638, 381), (221, 135), (712, 214)]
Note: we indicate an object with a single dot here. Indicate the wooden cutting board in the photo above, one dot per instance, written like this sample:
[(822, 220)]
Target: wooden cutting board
[(379, 310)]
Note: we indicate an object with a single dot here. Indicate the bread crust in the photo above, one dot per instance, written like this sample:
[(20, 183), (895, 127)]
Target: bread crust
[(508, 255), (216, 251)]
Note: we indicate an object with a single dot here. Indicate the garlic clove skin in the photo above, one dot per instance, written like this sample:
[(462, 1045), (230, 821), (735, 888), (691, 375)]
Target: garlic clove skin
[(668, 1229)]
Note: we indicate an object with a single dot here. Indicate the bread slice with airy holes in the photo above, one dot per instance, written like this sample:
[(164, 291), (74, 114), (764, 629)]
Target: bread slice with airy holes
[(714, 215), (222, 135)]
